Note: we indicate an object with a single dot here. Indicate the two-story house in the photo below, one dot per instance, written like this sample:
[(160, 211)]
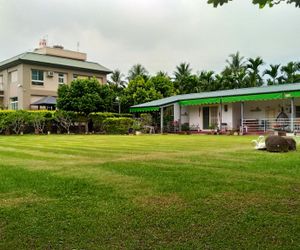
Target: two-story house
[(30, 80)]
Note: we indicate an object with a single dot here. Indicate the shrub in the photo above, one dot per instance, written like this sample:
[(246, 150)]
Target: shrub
[(277, 144), (38, 121), (65, 119), (99, 118), (117, 125), (17, 120)]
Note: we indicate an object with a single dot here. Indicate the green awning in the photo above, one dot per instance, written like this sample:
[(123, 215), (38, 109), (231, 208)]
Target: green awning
[(200, 101), (292, 94), (144, 109), (258, 97)]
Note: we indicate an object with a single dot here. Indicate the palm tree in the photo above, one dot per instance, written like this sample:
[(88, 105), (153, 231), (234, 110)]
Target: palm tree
[(273, 73), (182, 74), (137, 70), (290, 72), (116, 78), (206, 81), (253, 71), (235, 62), (183, 70)]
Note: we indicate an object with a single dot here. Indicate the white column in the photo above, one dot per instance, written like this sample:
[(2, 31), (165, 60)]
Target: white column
[(220, 116), (242, 117), (161, 120), (292, 114), (179, 118)]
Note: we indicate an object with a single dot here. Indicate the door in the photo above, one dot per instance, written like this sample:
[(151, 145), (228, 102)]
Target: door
[(214, 117), (205, 111)]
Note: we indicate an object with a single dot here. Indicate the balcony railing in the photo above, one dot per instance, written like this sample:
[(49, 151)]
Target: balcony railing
[(271, 124)]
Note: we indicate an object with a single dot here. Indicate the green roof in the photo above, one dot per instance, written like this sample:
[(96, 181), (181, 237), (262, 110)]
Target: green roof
[(35, 58), (232, 95)]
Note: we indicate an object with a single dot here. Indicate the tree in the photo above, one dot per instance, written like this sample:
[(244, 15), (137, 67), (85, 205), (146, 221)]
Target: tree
[(253, 71), (163, 84), (261, 3), (234, 75), (65, 119), (206, 81), (273, 73), (17, 120), (235, 63), (82, 95), (137, 70), (117, 78), (139, 91), (38, 120), (182, 73), (291, 72)]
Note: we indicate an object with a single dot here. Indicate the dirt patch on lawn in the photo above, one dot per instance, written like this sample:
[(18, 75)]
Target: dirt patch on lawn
[(160, 201), (7, 201), (237, 201)]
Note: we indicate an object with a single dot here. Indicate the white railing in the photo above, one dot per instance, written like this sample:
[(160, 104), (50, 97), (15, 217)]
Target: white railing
[(270, 124)]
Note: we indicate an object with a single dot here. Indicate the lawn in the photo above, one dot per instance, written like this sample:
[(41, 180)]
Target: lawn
[(141, 192)]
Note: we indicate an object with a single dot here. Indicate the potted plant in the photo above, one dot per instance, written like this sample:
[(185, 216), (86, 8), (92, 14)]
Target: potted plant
[(137, 127)]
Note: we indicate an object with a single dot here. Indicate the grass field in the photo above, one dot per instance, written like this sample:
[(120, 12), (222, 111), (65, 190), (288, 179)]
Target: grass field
[(141, 192)]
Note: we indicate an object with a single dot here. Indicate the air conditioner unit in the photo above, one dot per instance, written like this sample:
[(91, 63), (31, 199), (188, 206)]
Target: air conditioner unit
[(50, 73)]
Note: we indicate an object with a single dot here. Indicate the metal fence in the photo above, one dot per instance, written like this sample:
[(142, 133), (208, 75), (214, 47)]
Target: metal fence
[(270, 124)]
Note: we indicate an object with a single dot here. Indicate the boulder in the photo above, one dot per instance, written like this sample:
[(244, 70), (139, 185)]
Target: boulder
[(292, 143), (276, 143)]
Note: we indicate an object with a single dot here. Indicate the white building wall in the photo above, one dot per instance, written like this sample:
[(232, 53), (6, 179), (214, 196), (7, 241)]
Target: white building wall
[(266, 109), (194, 116), (184, 115), (227, 116), (176, 112)]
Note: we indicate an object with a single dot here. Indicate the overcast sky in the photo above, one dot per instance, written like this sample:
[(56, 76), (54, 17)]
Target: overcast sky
[(156, 33)]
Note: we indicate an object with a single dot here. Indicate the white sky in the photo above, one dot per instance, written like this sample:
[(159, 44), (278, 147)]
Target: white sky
[(156, 33)]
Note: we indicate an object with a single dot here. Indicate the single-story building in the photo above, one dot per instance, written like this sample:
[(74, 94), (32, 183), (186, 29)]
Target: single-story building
[(248, 110)]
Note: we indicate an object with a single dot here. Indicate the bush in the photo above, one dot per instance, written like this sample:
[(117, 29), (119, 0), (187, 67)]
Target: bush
[(17, 120), (277, 144), (65, 119), (98, 119), (117, 125)]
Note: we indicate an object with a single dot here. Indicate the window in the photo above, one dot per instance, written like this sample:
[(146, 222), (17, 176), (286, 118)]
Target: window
[(225, 108), (13, 76), (14, 103), (61, 78), (37, 77), (1, 82), (297, 111)]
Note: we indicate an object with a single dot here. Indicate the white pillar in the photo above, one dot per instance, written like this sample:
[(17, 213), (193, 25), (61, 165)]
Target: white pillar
[(292, 114), (242, 117), (161, 120), (179, 118), (220, 116)]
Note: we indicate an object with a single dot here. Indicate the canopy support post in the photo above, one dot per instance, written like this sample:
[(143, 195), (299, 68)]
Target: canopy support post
[(179, 118), (220, 116), (161, 120), (242, 118), (292, 114)]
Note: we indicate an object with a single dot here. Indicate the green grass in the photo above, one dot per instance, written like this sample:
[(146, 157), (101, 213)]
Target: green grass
[(141, 192)]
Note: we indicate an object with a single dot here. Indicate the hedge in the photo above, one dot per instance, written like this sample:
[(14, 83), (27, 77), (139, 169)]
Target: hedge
[(98, 119), (117, 125), (43, 121)]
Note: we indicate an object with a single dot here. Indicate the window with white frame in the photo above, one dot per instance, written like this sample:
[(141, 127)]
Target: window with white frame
[(14, 103), (61, 78), (37, 77)]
